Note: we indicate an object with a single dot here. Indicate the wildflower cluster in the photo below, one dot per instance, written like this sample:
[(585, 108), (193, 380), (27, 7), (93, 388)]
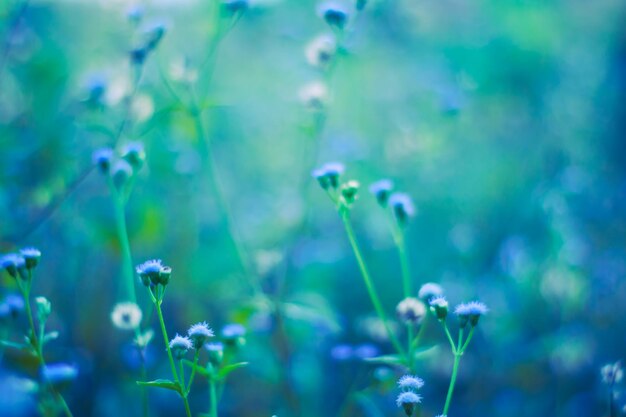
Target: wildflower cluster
[(155, 277), (120, 168), (51, 377), (411, 310), (408, 398)]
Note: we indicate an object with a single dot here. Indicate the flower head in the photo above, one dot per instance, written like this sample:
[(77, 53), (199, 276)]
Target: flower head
[(381, 190), (102, 159), (408, 400), (349, 191), (342, 352), (31, 256), (234, 334), (410, 382), (180, 345), (429, 291), (366, 351), (121, 173), (11, 306), (216, 352), (321, 50), (126, 316), (59, 373), (314, 96), (14, 264), (334, 14), (153, 272), (402, 206), (470, 312), (612, 373), (439, 306), (199, 333), (135, 154), (328, 174), (411, 310)]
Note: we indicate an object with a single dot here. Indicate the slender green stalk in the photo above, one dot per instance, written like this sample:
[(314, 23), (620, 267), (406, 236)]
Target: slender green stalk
[(193, 370), (213, 397), (458, 352), (404, 264), (122, 235), (345, 217), (166, 339), (37, 342), (144, 391)]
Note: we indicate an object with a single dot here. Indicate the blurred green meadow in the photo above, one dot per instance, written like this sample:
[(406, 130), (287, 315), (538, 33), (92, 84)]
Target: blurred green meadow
[(504, 121)]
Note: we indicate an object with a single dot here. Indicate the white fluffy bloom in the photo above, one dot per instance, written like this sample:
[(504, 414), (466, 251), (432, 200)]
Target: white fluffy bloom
[(126, 316)]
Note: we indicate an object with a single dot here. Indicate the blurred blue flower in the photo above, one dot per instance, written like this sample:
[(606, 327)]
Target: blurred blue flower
[(381, 190), (430, 290), (59, 373), (470, 311), (334, 13), (366, 351), (342, 352), (403, 206), (102, 159)]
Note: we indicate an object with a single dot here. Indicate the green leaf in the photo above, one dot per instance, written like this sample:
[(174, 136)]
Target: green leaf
[(387, 360), (223, 372), (199, 369), (26, 348), (48, 337), (161, 383)]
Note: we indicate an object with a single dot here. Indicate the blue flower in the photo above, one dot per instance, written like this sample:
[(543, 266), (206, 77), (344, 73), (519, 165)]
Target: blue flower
[(199, 333), (402, 206), (234, 335), (12, 305), (122, 171), (366, 351), (216, 352), (179, 346), (31, 257), (153, 272), (14, 264), (59, 373), (470, 311), (102, 159), (328, 174), (334, 14), (135, 154), (410, 382), (439, 306), (429, 290), (342, 352), (408, 400), (381, 190)]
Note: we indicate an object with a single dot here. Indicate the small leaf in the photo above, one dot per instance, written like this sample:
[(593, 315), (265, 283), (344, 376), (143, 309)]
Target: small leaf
[(223, 372), (48, 337), (199, 369), (161, 383), (387, 360)]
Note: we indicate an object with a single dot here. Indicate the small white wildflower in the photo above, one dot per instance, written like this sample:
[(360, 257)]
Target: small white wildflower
[(126, 316)]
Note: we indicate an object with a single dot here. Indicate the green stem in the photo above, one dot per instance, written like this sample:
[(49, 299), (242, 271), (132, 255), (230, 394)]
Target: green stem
[(455, 368), (345, 217), (187, 409), (193, 370), (166, 340), (469, 337), (213, 396), (404, 264), (122, 235), (445, 328)]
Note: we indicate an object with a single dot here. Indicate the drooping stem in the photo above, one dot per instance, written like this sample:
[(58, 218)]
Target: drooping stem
[(345, 217)]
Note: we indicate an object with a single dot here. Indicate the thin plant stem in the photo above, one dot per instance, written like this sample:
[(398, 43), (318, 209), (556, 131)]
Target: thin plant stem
[(345, 217), (193, 370), (213, 397), (122, 235), (469, 337), (157, 304), (455, 369)]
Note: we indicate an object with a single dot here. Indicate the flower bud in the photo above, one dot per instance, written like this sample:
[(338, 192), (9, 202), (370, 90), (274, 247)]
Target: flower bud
[(102, 159), (134, 154), (349, 191), (31, 257), (439, 307), (216, 353), (199, 333), (44, 308), (122, 171), (179, 346), (234, 335), (382, 190), (411, 310)]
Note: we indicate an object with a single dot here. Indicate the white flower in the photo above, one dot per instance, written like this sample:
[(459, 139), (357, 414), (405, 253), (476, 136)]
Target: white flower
[(126, 316)]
